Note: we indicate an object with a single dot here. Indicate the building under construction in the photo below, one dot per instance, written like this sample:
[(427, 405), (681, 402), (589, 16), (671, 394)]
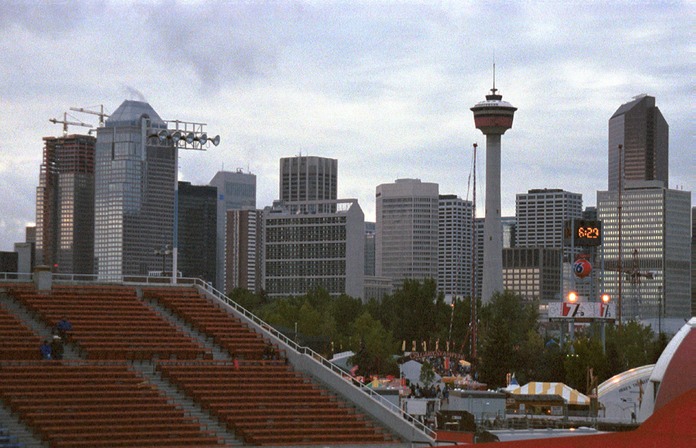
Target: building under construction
[(65, 205)]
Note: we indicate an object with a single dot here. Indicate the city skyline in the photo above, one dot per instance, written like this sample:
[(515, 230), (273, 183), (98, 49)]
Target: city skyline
[(385, 88)]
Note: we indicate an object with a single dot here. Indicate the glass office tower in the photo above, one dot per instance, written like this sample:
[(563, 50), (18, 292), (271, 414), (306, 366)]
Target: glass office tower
[(134, 193)]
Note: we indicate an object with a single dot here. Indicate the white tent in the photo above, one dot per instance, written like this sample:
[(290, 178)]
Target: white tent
[(411, 370), (570, 395)]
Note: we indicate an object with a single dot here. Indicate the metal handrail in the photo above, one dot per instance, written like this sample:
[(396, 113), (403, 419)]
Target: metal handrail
[(303, 350)]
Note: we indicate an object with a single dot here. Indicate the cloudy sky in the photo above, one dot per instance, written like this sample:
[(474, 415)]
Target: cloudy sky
[(385, 87)]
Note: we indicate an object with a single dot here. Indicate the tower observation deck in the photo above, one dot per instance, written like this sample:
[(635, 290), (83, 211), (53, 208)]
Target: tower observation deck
[(493, 117)]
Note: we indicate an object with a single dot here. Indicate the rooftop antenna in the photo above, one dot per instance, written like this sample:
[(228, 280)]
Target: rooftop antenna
[(494, 95)]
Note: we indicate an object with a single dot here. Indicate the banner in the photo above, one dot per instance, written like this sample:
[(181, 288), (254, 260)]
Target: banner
[(582, 310)]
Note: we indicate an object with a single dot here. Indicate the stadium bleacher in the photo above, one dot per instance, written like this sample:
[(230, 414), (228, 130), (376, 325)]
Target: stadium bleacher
[(101, 399)]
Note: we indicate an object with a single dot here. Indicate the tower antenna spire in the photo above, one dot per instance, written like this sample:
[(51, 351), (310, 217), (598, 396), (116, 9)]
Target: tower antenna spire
[(493, 90)]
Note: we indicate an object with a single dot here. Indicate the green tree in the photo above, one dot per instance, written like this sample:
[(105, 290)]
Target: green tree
[(631, 346), (411, 312), (247, 299), (504, 327), (586, 354), (551, 365), (374, 347), (344, 310), (531, 357), (427, 374)]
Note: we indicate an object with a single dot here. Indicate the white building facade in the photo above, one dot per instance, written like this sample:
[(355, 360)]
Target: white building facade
[(655, 250), (314, 244), (406, 247), (235, 191), (541, 216), (455, 247)]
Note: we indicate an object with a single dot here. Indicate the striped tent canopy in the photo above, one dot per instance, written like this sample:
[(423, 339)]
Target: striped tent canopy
[(570, 395)]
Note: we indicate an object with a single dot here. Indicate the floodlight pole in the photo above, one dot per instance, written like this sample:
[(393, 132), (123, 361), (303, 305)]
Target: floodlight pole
[(175, 239), (195, 138)]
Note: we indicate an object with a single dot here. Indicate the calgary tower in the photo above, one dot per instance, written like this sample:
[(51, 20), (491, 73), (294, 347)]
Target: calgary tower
[(493, 117)]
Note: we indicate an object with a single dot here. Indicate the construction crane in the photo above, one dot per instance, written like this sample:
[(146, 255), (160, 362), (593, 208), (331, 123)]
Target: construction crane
[(65, 123), (634, 276), (100, 114)]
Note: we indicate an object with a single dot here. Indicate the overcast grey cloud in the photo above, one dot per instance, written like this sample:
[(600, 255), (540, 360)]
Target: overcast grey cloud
[(384, 87)]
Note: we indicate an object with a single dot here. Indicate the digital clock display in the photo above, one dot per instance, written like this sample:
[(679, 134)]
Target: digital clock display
[(584, 232), (588, 232)]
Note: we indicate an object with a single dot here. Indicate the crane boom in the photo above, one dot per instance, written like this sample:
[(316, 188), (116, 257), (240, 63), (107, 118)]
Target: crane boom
[(100, 114), (65, 123)]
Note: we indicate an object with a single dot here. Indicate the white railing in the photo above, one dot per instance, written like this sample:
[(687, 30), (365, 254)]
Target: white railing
[(388, 405)]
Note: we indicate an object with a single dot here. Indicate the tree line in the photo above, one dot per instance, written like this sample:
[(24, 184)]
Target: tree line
[(510, 337)]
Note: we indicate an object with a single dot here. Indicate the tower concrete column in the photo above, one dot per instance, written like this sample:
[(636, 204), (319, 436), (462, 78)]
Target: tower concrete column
[(492, 229)]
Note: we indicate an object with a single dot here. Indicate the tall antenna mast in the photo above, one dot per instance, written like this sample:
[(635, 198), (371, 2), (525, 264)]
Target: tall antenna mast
[(494, 89), (619, 207), (473, 266)]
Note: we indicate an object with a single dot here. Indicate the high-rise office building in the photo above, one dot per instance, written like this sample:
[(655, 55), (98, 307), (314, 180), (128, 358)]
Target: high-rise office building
[(589, 214), (370, 233), (407, 230), (314, 244), (455, 247), (9, 261), (655, 251), (533, 272), (197, 230), (135, 177), (308, 178), (25, 257), (644, 135), (244, 250), (236, 191), (65, 205), (541, 215), (30, 234)]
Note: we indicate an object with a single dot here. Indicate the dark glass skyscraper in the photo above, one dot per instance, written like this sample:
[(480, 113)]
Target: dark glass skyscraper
[(197, 231), (65, 205), (642, 130), (134, 194)]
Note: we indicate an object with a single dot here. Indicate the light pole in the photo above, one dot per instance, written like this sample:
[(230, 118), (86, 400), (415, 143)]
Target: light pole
[(164, 251), (454, 301), (572, 298), (605, 300), (185, 135)]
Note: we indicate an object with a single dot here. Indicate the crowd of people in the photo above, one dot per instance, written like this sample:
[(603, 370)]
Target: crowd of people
[(444, 364), (55, 349), (434, 391)]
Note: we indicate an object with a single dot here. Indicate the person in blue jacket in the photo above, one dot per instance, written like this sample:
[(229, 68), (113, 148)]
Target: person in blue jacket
[(62, 327), (45, 350)]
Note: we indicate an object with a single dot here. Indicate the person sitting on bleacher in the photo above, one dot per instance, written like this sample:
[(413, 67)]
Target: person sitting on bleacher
[(45, 350), (269, 352), (62, 327), (57, 348)]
